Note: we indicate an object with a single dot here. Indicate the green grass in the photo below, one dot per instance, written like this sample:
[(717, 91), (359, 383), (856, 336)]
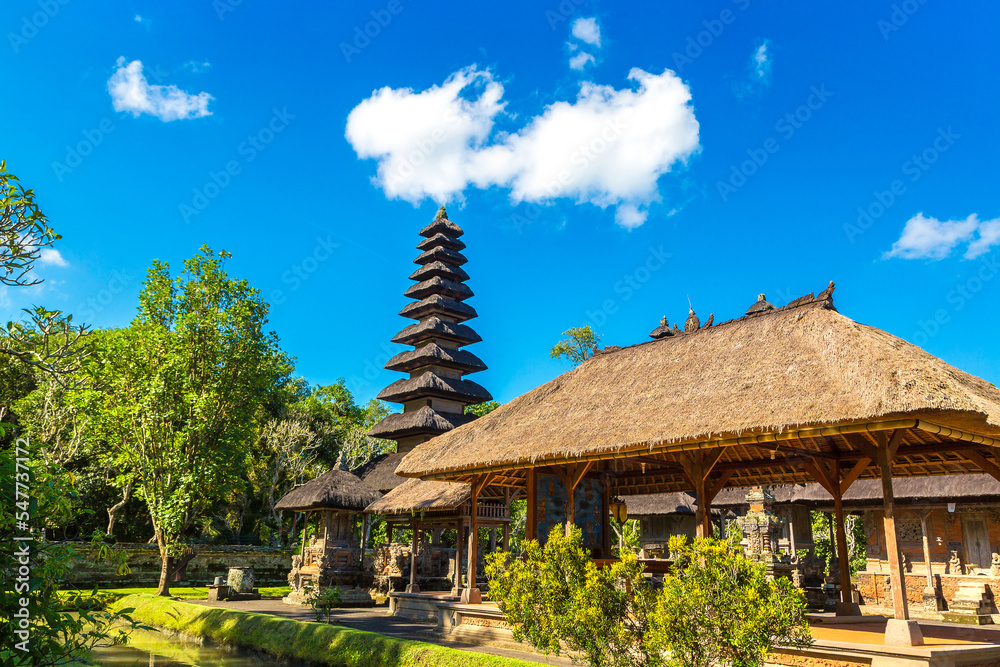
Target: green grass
[(311, 642), (105, 596)]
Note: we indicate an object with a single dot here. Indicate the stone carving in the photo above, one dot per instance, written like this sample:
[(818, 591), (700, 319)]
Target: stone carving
[(955, 563), (995, 566), (761, 526)]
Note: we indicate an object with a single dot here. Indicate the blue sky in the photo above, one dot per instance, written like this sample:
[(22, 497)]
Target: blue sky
[(735, 148)]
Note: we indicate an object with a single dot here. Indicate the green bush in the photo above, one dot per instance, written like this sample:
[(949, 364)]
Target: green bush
[(715, 608)]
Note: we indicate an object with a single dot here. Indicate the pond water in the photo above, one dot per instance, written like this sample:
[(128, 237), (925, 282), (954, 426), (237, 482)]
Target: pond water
[(149, 648)]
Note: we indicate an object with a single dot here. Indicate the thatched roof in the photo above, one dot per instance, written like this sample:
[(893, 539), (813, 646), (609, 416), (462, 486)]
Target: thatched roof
[(446, 288), (441, 241), (772, 372), (425, 420), (431, 384), (435, 327), (439, 270), (443, 357), (336, 489), (442, 225), (861, 494), (439, 305), (380, 472), (440, 254), (415, 495)]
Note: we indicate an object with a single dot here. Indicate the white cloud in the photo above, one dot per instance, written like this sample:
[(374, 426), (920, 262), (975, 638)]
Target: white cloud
[(131, 92), (196, 67), (761, 63), (588, 31), (580, 60), (608, 147), (930, 238), (52, 257)]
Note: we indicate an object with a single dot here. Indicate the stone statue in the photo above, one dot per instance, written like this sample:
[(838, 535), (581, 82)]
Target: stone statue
[(995, 566), (955, 563)]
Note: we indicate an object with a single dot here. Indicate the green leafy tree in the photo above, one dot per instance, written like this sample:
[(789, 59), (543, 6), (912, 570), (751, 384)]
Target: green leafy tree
[(717, 608), (557, 599), (481, 409), (577, 346), (178, 393)]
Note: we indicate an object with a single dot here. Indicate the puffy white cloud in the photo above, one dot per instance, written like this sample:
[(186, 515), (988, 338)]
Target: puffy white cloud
[(930, 238), (52, 257), (580, 60), (608, 147), (588, 31), (131, 92), (761, 63)]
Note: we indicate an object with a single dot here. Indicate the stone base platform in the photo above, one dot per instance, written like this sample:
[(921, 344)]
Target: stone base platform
[(419, 606), (349, 597)]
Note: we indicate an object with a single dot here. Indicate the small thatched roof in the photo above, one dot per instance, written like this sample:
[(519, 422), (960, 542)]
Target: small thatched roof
[(425, 420), (415, 495), (336, 489), (441, 254), (439, 305), (442, 286), (798, 367), (435, 327), (441, 225), (439, 270), (654, 504), (380, 472), (441, 240), (444, 357), (429, 383)]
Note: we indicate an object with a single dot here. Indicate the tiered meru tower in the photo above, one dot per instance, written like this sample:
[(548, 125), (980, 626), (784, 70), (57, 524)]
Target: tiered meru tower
[(435, 395)]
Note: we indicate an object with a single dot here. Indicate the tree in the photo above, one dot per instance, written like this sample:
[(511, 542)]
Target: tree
[(578, 345), (24, 231), (358, 446), (717, 608), (556, 595), (481, 409), (178, 394)]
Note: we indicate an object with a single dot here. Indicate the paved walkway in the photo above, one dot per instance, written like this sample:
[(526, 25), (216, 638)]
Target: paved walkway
[(376, 619)]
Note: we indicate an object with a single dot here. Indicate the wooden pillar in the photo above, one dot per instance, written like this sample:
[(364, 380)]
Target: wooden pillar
[(413, 588), (931, 601), (571, 476), (606, 516), (843, 557), (505, 540), (471, 594), (388, 533), (531, 514), (900, 631), (459, 539), (493, 539)]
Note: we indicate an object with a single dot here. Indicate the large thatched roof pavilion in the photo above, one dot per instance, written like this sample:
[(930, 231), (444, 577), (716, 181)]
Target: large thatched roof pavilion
[(781, 395)]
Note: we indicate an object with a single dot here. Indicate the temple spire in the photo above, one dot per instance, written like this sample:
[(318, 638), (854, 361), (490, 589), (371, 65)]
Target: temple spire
[(436, 392)]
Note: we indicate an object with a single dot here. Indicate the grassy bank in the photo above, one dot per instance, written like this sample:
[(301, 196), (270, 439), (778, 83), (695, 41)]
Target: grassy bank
[(105, 596), (312, 642)]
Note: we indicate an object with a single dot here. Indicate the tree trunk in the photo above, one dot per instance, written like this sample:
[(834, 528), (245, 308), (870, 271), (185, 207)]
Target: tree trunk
[(166, 566), (114, 509)]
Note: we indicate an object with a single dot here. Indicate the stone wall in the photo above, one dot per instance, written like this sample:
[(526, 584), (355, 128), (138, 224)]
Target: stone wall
[(871, 586), (270, 567)]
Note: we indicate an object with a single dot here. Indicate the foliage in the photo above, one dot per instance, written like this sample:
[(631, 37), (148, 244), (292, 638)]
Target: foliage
[(313, 643), (627, 534), (55, 635), (323, 601), (577, 346), (556, 595), (856, 539), (177, 395), (358, 447), (717, 608), (481, 409)]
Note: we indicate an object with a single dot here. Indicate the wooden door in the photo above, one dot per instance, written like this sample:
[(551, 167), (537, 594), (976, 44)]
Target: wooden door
[(977, 544)]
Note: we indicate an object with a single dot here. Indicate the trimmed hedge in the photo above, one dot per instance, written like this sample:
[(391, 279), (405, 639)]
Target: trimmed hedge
[(311, 642)]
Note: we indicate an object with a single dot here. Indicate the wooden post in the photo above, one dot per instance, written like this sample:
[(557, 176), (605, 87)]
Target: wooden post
[(697, 466), (459, 539), (388, 533), (471, 594), (843, 556), (505, 540), (931, 601), (531, 515), (493, 539), (900, 630), (606, 516), (571, 476), (413, 588)]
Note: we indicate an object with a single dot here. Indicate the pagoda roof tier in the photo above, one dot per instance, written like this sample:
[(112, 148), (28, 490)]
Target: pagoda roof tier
[(439, 270), (439, 305), (430, 384), (441, 286), (418, 422), (435, 327), (442, 225), (435, 355), (441, 255), (441, 241)]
